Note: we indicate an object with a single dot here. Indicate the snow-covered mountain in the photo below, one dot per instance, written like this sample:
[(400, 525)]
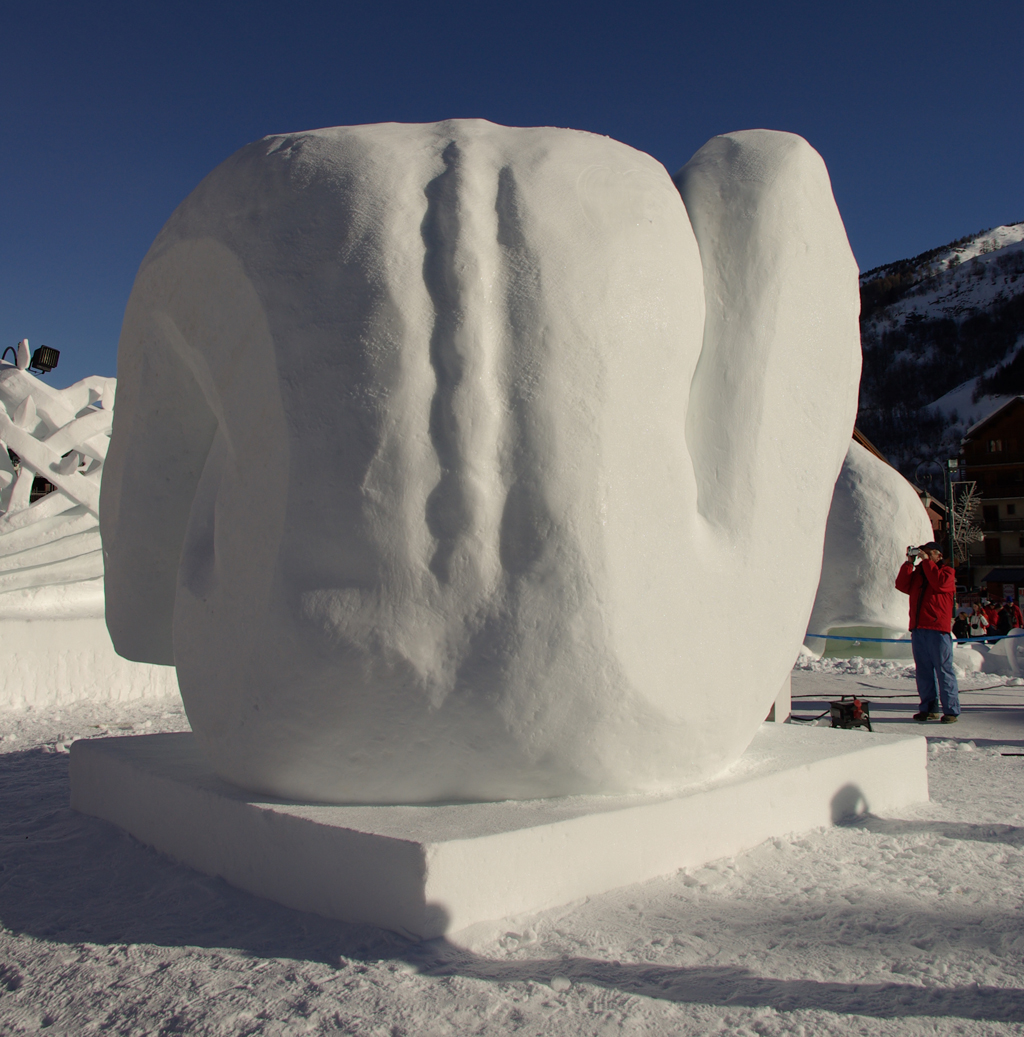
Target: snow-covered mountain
[(942, 335)]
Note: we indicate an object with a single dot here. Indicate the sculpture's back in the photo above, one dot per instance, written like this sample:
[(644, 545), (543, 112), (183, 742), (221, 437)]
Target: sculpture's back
[(402, 476)]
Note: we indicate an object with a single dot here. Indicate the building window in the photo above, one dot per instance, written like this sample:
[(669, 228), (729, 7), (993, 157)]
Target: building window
[(1011, 509), (995, 446)]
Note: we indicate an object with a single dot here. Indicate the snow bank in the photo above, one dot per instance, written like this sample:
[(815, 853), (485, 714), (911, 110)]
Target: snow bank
[(56, 661), (447, 445), (899, 924), (875, 515)]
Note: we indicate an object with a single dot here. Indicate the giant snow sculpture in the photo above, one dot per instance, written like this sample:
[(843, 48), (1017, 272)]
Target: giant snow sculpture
[(56, 645), (51, 563), (430, 438), (875, 515)]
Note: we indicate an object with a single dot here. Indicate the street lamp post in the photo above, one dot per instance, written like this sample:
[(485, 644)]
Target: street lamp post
[(952, 469)]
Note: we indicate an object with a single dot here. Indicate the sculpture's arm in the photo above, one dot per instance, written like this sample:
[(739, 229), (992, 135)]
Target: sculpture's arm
[(781, 322)]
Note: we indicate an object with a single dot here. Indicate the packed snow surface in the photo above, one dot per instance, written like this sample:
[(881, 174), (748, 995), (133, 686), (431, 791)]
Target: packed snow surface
[(455, 421), (907, 924), (875, 515)]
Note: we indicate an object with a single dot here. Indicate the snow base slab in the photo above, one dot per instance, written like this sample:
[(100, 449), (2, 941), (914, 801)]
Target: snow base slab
[(428, 870)]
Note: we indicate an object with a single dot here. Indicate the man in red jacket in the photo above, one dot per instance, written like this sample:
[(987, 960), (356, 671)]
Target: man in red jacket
[(931, 584)]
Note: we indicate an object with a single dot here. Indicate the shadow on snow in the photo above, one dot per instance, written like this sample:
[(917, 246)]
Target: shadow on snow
[(72, 879)]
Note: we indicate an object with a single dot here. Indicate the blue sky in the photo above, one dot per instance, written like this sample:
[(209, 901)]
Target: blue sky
[(111, 113)]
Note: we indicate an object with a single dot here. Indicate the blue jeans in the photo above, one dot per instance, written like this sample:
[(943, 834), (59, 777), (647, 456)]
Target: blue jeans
[(933, 659)]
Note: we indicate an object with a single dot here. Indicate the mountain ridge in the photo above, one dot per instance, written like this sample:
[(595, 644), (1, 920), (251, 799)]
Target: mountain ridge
[(942, 335)]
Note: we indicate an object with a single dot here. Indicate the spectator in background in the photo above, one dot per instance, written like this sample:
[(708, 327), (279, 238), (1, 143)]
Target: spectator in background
[(1016, 616), (961, 626), (1004, 620), (991, 613), (978, 622)]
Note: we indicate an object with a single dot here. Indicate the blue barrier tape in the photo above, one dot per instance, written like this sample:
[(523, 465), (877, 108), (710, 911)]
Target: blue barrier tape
[(906, 640)]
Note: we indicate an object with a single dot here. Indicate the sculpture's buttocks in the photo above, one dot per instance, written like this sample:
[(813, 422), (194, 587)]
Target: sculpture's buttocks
[(426, 450)]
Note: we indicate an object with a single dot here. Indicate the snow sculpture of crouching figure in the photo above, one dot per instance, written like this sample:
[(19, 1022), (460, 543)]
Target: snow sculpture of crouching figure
[(430, 438)]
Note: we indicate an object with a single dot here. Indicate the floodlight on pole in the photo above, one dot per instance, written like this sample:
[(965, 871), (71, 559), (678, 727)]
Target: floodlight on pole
[(952, 469), (44, 359)]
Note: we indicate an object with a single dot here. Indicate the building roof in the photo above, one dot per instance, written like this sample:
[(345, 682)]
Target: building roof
[(929, 501), (868, 445), (990, 417)]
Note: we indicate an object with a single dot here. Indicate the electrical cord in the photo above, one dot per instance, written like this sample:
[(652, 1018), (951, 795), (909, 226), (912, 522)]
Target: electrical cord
[(821, 698), (809, 720)]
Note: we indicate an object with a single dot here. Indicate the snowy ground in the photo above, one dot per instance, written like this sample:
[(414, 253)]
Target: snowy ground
[(908, 924)]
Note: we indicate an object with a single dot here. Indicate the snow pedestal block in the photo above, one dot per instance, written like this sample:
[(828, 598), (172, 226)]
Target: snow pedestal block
[(428, 870)]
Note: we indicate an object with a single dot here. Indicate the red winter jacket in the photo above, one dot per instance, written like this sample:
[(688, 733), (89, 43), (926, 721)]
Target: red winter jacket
[(931, 589)]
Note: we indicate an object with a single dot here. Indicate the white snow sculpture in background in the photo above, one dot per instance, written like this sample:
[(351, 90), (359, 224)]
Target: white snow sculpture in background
[(455, 423), (56, 645), (51, 562), (875, 515)]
